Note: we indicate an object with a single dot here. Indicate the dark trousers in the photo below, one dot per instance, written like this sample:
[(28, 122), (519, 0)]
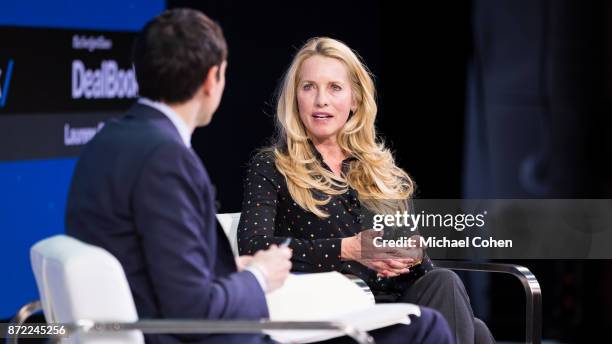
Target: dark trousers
[(429, 328), (443, 290)]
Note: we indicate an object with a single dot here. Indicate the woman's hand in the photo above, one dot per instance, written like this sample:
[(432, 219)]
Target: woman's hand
[(352, 249), (392, 267), (412, 255)]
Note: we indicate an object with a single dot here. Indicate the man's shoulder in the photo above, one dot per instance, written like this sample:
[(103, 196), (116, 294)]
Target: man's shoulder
[(140, 129), (131, 144)]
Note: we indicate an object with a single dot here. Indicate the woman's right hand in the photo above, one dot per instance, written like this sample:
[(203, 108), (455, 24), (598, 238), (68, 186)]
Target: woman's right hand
[(352, 249)]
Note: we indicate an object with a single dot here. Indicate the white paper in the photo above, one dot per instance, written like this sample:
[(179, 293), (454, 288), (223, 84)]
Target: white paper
[(330, 296)]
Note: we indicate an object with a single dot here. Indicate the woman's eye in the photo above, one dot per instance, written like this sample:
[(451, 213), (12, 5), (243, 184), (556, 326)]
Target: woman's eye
[(307, 87), (336, 88)]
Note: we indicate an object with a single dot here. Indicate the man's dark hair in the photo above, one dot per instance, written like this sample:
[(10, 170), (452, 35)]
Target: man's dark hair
[(174, 52)]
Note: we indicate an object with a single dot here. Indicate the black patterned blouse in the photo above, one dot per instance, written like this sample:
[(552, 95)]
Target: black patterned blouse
[(270, 216)]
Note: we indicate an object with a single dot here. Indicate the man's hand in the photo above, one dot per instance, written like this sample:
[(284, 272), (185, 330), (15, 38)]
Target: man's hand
[(243, 261), (275, 264)]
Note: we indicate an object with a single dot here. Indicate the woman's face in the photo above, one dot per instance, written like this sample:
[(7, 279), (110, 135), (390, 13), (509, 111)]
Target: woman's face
[(324, 96)]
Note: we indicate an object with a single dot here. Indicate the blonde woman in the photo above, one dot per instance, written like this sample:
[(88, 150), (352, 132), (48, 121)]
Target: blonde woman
[(325, 173)]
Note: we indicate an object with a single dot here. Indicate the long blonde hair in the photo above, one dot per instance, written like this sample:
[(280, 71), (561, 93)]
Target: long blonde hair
[(379, 182)]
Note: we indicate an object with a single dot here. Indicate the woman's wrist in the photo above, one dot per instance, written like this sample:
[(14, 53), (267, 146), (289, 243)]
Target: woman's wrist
[(349, 247)]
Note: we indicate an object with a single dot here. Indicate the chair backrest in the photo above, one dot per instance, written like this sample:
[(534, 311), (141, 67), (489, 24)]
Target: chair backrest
[(77, 281), (229, 223)]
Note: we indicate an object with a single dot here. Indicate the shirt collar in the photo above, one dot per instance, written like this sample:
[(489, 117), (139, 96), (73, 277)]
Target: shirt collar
[(319, 157), (176, 120)]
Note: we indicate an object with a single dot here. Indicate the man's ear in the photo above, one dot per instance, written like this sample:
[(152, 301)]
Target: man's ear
[(212, 78)]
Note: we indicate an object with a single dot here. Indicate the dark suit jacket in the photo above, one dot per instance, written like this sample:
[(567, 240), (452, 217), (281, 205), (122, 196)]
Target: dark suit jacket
[(141, 194)]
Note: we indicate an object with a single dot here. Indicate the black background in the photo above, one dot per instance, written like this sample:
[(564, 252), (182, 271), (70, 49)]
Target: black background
[(418, 52)]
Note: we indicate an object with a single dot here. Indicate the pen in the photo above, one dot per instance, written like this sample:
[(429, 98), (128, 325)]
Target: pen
[(286, 243)]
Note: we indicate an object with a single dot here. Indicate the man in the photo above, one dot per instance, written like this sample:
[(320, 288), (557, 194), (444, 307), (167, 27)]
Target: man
[(141, 192)]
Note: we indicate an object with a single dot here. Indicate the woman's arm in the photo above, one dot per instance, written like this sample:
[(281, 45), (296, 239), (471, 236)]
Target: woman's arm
[(256, 230)]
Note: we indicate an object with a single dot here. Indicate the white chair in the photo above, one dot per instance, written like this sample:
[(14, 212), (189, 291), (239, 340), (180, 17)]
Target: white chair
[(229, 223), (84, 288), (77, 281)]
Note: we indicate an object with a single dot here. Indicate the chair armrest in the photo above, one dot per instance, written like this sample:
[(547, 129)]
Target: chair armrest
[(201, 326), (533, 293), (361, 284), (193, 326), (218, 327), (22, 315)]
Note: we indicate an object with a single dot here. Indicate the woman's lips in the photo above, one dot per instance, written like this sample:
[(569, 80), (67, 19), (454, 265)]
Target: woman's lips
[(321, 115)]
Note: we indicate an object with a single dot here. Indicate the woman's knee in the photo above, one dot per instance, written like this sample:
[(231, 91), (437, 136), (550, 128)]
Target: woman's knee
[(482, 334), (444, 276)]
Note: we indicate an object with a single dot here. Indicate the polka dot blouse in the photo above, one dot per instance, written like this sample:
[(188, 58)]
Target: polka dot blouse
[(269, 216)]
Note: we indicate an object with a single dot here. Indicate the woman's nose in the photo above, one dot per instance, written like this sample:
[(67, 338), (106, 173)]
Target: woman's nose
[(321, 99)]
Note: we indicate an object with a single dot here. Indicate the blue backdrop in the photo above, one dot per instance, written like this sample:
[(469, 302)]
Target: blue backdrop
[(33, 192)]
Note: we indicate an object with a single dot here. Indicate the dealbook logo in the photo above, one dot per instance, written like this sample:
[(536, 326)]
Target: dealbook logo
[(108, 81), (5, 81)]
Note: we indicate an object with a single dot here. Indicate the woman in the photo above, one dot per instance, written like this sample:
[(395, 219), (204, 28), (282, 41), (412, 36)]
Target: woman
[(323, 176)]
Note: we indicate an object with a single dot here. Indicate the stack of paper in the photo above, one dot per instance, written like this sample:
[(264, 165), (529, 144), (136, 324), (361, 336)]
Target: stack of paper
[(330, 296)]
